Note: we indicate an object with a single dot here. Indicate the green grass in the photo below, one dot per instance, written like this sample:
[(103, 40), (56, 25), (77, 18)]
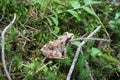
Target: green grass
[(40, 21)]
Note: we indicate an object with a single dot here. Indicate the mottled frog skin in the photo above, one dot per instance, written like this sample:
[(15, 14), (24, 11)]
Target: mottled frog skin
[(55, 49)]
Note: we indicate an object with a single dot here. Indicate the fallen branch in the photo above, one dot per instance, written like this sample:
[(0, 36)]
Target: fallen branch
[(2, 16), (100, 22), (97, 39), (2, 42), (88, 68), (78, 52)]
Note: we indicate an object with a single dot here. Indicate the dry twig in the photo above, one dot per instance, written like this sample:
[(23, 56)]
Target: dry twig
[(78, 52), (87, 67), (2, 42), (97, 39), (100, 22), (2, 16)]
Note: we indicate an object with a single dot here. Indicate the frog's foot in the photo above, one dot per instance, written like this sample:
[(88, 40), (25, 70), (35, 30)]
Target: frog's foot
[(64, 57)]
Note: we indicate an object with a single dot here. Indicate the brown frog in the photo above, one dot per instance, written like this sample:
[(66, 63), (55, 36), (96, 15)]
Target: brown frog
[(55, 49)]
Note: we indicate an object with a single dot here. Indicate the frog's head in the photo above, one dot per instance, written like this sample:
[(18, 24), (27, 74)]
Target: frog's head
[(69, 36)]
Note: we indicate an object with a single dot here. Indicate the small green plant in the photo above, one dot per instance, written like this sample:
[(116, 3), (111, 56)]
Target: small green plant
[(35, 67)]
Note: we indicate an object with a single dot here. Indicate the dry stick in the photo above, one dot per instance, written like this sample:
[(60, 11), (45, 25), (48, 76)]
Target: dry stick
[(97, 39), (10, 67), (2, 42), (42, 67), (78, 52), (87, 67), (2, 16), (100, 22)]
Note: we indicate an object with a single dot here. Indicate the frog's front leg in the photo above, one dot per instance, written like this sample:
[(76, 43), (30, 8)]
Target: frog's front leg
[(65, 53)]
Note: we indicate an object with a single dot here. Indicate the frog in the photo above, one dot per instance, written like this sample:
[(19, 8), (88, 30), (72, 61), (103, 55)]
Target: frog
[(56, 49)]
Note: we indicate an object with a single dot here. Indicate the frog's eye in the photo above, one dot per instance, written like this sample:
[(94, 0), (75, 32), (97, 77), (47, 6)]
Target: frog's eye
[(65, 33)]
